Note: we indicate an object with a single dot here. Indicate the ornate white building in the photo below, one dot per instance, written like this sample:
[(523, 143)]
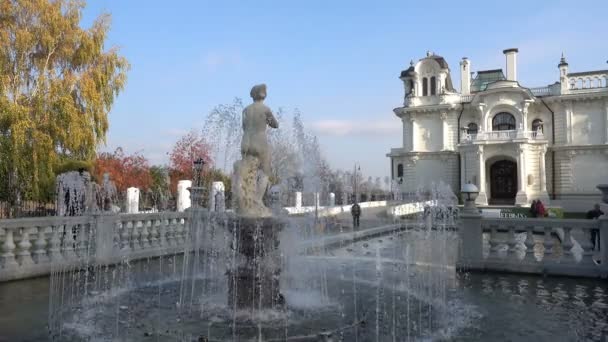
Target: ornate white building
[(515, 143)]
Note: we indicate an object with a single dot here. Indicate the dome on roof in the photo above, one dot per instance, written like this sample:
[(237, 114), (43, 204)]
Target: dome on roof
[(407, 72)]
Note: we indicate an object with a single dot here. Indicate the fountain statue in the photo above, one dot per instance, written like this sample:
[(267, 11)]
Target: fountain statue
[(252, 171), (257, 235)]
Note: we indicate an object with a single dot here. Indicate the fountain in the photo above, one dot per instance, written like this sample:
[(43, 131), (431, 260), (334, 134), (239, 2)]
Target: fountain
[(255, 274)]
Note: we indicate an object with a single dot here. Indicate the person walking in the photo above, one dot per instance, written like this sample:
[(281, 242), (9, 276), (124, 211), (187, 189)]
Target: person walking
[(355, 210), (594, 214)]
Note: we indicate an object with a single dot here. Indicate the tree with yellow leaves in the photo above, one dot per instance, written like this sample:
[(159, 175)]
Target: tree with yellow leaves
[(58, 83)]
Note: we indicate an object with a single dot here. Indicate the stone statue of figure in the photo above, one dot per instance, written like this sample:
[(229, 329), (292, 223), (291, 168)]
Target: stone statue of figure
[(251, 173)]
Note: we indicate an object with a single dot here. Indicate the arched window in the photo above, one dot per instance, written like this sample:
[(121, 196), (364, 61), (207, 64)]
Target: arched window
[(425, 86), (433, 85), (399, 170), (503, 122), (537, 126), (411, 86), (472, 128)]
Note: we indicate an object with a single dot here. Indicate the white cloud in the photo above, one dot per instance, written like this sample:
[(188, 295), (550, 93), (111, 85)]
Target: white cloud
[(351, 127)]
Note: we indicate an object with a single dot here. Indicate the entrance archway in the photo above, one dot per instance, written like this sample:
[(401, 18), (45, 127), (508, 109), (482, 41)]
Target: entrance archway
[(503, 182)]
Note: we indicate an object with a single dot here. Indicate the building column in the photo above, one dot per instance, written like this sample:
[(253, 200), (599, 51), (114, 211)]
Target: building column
[(544, 196), (521, 198), (568, 108), (606, 121), (482, 198), (444, 130), (414, 133)]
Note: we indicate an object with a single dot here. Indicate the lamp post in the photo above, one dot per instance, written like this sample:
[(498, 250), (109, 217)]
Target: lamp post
[(469, 193), (196, 191)]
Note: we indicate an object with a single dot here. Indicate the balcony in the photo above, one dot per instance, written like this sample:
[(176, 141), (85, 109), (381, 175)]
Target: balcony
[(501, 136)]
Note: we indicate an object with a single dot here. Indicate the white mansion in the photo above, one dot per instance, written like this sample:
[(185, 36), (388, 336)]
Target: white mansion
[(515, 143)]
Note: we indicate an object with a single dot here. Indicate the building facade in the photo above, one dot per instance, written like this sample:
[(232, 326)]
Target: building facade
[(515, 143)]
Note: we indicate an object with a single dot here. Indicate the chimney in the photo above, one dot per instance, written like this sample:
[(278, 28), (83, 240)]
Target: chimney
[(465, 76), (511, 55)]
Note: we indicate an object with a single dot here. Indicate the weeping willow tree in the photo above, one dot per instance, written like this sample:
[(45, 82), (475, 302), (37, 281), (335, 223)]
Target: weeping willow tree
[(58, 83)]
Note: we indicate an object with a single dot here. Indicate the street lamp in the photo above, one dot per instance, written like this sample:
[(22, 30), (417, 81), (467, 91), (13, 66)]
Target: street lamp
[(469, 193), (196, 191)]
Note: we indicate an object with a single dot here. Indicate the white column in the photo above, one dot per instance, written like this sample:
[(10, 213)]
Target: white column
[(132, 200), (298, 199), (444, 129), (568, 110), (183, 195), (332, 199), (482, 198), (216, 197), (414, 133), (544, 196), (606, 121), (317, 199), (521, 198)]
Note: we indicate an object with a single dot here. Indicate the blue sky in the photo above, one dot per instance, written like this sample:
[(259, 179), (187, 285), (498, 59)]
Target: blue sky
[(337, 61)]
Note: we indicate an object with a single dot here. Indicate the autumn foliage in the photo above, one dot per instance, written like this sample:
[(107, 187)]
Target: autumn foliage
[(185, 151), (125, 170)]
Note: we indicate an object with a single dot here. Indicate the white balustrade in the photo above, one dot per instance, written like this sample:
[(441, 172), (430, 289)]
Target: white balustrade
[(501, 136), (563, 246), (466, 98), (35, 246)]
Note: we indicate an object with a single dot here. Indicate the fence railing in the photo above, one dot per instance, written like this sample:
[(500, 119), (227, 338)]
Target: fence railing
[(502, 136), (32, 246), (538, 246)]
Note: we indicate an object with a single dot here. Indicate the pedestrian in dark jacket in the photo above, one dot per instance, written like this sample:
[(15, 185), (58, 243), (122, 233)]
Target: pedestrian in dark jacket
[(533, 211), (594, 214), (355, 210)]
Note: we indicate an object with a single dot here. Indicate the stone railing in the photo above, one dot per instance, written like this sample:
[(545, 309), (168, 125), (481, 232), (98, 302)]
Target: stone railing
[(502, 136), (541, 91), (586, 81), (537, 246), (467, 98), (34, 246)]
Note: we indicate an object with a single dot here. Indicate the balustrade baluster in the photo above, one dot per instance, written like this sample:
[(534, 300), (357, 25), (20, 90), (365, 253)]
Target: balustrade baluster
[(530, 245), (179, 232), (162, 232), (171, 232), (55, 244), (135, 245), (153, 232), (125, 243), (567, 246), (587, 258), (40, 255), (548, 244), (145, 233), (68, 242), (494, 242), (8, 250), (24, 256)]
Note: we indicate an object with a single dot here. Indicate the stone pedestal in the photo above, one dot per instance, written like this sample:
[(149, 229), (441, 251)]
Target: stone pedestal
[(132, 200), (183, 195), (332, 199), (298, 203), (255, 280), (216, 197)]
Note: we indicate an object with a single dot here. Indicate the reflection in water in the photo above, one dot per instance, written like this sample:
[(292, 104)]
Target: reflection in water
[(516, 307)]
